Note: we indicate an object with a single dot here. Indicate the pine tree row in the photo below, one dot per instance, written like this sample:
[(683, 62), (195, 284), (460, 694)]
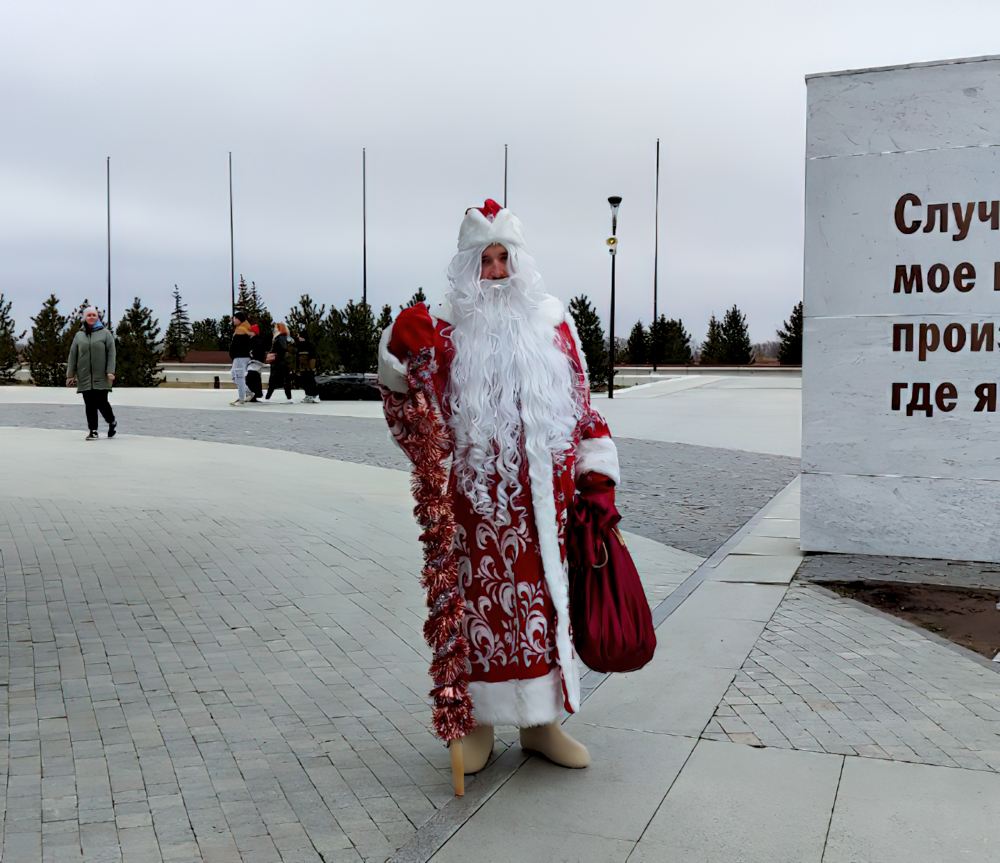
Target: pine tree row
[(346, 339), (667, 342)]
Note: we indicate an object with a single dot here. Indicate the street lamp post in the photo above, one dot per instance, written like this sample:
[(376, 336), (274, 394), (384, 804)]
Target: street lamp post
[(615, 202)]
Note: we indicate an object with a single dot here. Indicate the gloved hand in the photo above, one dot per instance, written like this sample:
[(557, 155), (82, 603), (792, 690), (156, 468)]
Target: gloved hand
[(593, 483), (592, 518), (412, 331)]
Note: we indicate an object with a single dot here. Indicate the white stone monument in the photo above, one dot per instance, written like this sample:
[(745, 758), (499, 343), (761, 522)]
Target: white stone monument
[(901, 423)]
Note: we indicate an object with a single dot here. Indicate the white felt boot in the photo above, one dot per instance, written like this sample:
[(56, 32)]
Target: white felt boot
[(555, 744), (478, 748)]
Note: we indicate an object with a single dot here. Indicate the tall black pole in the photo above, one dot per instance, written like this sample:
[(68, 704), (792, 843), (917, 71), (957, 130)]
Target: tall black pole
[(615, 202), (656, 241), (611, 352), (505, 175), (364, 227), (232, 245), (108, 184)]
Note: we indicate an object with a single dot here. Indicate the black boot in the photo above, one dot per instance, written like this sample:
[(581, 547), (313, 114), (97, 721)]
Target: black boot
[(112, 428)]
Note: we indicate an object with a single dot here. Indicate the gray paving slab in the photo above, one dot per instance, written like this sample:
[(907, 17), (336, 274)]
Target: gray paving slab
[(666, 697), (775, 569), (736, 803), (614, 798), (496, 842), (751, 602), (911, 813)]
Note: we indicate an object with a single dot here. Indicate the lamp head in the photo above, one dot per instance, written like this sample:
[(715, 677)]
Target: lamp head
[(615, 202)]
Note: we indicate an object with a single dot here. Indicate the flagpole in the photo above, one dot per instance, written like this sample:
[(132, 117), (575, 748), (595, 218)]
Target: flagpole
[(232, 244), (108, 185), (364, 227), (505, 175), (656, 241)]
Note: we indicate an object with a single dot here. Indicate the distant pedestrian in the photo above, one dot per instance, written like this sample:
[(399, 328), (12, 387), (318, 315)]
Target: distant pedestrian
[(278, 358), (258, 358), (239, 353), (305, 364), (91, 366)]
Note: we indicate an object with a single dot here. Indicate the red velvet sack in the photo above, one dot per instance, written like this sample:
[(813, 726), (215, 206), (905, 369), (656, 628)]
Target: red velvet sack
[(612, 624)]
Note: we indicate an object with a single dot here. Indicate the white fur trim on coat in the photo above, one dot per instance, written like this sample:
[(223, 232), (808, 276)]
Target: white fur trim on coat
[(540, 477), (523, 703), (391, 370), (600, 455)]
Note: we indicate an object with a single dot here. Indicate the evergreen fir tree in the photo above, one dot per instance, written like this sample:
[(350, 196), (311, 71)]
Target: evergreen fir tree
[(790, 350), (384, 320), (657, 354), (308, 318), (333, 327), (205, 335), (225, 332), (250, 301), (418, 297), (358, 343), (138, 338), (714, 347), (47, 349), (177, 341), (637, 346), (10, 360), (677, 342), (243, 296), (736, 338), (257, 304), (592, 339)]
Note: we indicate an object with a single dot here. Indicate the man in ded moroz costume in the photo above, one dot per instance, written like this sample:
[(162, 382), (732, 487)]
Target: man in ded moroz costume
[(488, 396)]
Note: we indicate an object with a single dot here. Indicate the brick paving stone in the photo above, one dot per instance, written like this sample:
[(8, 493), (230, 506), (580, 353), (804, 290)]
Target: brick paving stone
[(208, 704), (910, 698)]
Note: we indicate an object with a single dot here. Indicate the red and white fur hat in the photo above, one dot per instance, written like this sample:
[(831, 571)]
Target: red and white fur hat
[(483, 226)]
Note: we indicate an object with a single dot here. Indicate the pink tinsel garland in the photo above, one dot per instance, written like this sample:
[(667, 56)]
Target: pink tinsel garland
[(427, 448)]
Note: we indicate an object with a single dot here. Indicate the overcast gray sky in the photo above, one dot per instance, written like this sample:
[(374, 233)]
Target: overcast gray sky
[(579, 90)]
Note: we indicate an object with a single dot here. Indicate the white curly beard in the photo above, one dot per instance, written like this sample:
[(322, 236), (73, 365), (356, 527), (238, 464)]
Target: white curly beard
[(511, 391)]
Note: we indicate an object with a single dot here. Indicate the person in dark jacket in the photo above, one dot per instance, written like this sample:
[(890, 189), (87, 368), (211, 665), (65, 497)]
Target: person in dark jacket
[(278, 358), (239, 353), (258, 358), (91, 366), (305, 364)]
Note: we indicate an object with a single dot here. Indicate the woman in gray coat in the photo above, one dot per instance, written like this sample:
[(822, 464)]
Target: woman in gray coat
[(91, 366)]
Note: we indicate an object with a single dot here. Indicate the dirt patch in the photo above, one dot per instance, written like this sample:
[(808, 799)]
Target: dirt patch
[(967, 616)]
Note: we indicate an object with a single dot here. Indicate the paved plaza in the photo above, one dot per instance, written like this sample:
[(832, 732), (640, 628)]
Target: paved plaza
[(213, 652)]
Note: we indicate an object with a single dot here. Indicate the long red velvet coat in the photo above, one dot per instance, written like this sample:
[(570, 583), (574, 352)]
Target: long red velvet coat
[(512, 577)]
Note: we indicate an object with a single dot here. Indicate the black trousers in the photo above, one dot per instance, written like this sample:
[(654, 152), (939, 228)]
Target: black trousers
[(254, 384), (307, 378), (279, 377), (94, 401)]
